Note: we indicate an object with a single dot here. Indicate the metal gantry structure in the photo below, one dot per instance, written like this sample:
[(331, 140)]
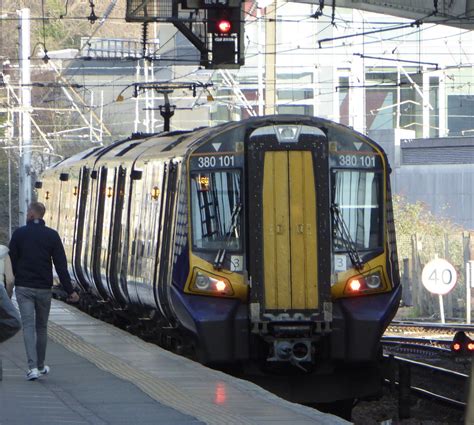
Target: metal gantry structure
[(200, 21), (214, 27), (19, 113)]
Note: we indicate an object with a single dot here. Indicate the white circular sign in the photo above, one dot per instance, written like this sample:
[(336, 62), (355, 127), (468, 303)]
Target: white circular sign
[(439, 276)]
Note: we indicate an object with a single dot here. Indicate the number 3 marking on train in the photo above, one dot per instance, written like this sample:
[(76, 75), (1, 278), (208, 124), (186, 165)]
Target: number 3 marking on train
[(236, 263), (340, 263)]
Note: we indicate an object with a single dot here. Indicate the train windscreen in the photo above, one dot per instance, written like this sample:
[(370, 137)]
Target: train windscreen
[(357, 195), (216, 205)]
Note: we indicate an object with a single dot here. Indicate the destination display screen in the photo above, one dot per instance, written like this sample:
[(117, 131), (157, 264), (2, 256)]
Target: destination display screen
[(226, 152), (352, 153), (223, 160), (356, 160)]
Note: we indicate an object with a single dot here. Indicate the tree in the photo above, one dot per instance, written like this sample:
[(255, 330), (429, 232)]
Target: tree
[(416, 219), (435, 236)]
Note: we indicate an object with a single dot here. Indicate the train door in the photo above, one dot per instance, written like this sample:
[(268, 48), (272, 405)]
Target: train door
[(111, 205), (164, 255), (50, 198), (87, 250), (68, 211), (97, 232), (289, 253), (145, 231), (81, 190), (289, 231), (114, 256)]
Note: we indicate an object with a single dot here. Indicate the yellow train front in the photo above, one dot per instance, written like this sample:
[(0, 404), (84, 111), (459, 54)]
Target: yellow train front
[(267, 243)]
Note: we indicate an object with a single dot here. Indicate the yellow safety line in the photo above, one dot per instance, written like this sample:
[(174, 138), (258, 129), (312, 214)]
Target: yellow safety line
[(158, 389)]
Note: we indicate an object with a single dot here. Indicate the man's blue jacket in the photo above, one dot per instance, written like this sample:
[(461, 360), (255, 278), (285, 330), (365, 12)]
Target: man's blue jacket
[(33, 250)]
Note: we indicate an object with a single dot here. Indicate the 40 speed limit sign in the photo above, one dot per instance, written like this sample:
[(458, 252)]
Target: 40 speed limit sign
[(439, 276)]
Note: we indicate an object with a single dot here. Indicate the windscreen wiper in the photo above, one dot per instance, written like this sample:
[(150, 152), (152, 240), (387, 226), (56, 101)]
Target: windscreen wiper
[(220, 257), (345, 235)]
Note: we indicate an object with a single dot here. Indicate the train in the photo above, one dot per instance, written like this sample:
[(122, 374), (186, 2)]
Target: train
[(267, 243)]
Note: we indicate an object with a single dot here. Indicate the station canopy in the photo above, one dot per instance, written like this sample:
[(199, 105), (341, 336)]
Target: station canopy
[(457, 13)]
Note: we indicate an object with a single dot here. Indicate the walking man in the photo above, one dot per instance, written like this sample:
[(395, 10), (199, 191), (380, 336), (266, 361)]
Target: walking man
[(33, 250)]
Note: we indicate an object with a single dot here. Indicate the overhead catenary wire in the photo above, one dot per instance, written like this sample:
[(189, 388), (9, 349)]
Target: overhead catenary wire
[(301, 50), (184, 60)]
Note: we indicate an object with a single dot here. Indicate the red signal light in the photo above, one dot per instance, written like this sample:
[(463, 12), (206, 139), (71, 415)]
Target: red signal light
[(224, 26), (462, 344)]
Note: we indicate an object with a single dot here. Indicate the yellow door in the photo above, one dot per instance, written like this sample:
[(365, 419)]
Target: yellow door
[(289, 236)]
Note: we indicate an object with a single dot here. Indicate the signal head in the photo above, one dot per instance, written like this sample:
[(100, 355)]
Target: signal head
[(223, 26), (462, 344)]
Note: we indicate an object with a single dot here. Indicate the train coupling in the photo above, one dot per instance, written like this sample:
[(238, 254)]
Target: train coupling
[(292, 351)]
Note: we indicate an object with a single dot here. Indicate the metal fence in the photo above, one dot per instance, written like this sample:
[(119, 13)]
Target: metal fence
[(456, 248), (118, 48)]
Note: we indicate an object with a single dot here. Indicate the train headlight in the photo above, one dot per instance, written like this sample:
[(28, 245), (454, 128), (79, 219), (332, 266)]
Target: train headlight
[(205, 284), (373, 281), (361, 284), (202, 282)]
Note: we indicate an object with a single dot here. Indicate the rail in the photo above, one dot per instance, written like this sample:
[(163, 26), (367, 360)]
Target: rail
[(447, 328), (418, 345), (430, 380)]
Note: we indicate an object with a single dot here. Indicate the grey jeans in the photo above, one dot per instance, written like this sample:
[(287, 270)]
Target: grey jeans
[(34, 307)]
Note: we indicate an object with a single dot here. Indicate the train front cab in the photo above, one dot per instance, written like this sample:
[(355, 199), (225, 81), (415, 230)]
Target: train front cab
[(261, 227), (255, 189)]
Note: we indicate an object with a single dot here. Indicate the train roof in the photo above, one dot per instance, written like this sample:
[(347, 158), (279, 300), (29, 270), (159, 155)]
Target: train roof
[(180, 143)]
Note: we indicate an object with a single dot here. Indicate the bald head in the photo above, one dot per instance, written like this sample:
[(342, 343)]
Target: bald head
[(35, 211)]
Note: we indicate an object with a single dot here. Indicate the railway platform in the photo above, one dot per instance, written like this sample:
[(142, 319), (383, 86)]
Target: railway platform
[(103, 375)]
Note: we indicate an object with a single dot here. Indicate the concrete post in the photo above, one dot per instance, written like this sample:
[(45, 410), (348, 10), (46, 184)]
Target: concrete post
[(25, 135)]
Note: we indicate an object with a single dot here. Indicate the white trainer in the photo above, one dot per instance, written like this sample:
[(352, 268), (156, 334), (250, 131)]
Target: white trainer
[(32, 374), (45, 370)]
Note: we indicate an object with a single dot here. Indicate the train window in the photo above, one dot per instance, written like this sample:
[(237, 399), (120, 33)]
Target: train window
[(216, 205), (358, 196)]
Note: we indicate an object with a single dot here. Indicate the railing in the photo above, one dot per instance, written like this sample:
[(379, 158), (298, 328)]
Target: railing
[(118, 48)]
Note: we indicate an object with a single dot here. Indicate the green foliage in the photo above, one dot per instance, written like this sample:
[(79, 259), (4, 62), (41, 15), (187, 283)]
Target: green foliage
[(58, 33), (3, 120), (436, 236), (426, 236)]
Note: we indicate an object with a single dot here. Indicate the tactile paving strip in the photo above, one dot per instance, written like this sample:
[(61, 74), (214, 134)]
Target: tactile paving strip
[(159, 390)]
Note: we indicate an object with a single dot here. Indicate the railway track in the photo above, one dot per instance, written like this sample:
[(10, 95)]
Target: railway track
[(448, 329), (426, 381), (405, 343), (417, 346)]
